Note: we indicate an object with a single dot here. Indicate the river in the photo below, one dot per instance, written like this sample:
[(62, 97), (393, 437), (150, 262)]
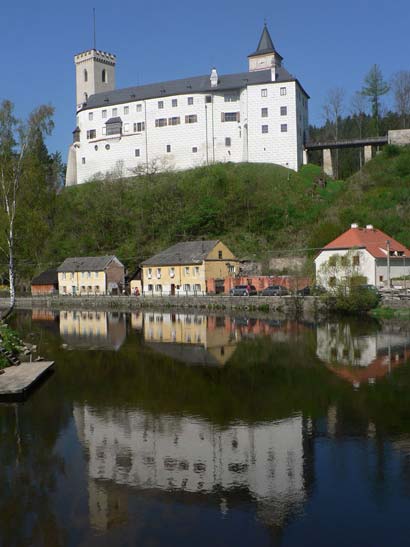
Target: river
[(187, 429)]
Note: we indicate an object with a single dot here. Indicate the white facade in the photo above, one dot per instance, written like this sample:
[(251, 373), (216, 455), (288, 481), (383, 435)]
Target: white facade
[(375, 270), (259, 116)]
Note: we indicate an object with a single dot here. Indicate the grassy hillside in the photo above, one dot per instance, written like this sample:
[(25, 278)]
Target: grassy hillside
[(255, 208)]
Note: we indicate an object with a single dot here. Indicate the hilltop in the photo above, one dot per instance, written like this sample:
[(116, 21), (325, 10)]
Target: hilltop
[(256, 209)]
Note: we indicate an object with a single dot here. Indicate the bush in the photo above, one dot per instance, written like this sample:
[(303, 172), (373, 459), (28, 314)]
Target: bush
[(357, 301), (10, 341), (391, 150), (403, 165)]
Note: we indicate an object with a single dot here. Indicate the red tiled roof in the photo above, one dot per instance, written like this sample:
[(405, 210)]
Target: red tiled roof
[(373, 240)]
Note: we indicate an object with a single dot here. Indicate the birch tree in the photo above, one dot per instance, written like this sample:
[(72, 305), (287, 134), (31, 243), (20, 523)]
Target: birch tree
[(16, 137)]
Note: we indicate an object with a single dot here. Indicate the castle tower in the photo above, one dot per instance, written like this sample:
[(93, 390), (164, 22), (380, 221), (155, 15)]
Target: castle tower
[(95, 73), (265, 56)]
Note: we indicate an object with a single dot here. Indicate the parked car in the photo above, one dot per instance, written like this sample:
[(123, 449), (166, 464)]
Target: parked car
[(313, 290), (244, 290), (275, 290)]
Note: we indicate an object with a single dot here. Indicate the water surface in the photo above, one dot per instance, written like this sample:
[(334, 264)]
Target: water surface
[(193, 429)]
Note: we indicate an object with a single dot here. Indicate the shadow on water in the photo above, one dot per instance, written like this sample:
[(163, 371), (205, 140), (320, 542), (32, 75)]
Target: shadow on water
[(175, 428)]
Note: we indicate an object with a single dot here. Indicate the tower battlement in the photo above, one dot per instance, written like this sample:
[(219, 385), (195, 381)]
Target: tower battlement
[(98, 55)]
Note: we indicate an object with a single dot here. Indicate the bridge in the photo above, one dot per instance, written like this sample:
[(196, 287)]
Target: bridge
[(399, 137)]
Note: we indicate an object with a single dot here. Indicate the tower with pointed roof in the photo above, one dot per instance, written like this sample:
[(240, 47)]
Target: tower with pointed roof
[(265, 57)]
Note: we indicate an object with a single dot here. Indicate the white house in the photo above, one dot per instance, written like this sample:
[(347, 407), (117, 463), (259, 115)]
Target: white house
[(374, 255), (256, 116)]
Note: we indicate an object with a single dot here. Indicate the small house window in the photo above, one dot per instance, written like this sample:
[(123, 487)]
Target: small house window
[(220, 255), (186, 270), (356, 260)]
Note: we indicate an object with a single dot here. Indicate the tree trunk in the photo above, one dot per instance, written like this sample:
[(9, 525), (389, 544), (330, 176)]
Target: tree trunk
[(11, 275)]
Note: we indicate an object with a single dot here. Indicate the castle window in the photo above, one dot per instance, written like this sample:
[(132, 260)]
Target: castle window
[(283, 110), (190, 100), (139, 107), (231, 97), (104, 76), (104, 114), (83, 161), (139, 126), (160, 104), (227, 141), (208, 98), (90, 116), (85, 75), (284, 128), (230, 117), (126, 110), (91, 134), (114, 112), (265, 129), (176, 120), (191, 118), (107, 146), (194, 149), (174, 102), (126, 127), (283, 91), (114, 127), (96, 147), (264, 92), (168, 148), (137, 153), (264, 112), (85, 97), (161, 122)]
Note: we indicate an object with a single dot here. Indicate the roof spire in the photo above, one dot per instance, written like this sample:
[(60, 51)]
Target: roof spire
[(265, 43)]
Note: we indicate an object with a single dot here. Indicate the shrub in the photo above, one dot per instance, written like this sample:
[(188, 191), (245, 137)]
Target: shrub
[(403, 165), (391, 150)]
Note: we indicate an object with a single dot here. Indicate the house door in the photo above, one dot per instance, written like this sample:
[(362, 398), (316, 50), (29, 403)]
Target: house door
[(172, 289)]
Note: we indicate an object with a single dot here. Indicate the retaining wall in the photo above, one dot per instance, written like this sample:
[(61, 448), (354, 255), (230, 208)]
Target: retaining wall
[(287, 305)]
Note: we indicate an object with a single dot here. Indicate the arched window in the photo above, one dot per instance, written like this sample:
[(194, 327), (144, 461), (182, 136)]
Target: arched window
[(104, 76), (85, 75)]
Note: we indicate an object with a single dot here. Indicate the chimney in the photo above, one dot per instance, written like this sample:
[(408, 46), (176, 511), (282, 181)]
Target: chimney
[(369, 227), (354, 225), (214, 77)]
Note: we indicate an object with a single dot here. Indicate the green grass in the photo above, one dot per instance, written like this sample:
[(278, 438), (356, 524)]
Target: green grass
[(390, 313)]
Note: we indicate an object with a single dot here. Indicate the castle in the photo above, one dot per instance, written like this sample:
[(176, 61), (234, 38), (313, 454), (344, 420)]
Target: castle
[(255, 116)]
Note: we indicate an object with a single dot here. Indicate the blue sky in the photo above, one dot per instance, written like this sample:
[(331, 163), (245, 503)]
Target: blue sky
[(324, 44)]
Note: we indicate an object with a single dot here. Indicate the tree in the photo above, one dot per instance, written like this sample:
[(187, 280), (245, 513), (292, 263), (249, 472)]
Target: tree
[(374, 88), (333, 110), (401, 92), (17, 138), (358, 110)]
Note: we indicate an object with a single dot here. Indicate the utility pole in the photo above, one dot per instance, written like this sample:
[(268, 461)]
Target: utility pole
[(388, 263)]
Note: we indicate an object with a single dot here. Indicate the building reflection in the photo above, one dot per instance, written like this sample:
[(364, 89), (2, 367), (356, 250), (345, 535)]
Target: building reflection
[(267, 462), (93, 329), (360, 356)]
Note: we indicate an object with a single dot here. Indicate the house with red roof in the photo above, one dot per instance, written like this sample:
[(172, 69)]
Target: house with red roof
[(374, 255)]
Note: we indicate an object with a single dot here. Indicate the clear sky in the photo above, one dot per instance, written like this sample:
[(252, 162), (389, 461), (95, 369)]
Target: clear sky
[(324, 44)]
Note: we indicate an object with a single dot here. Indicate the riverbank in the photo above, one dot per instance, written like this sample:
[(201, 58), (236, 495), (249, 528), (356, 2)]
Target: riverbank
[(288, 306)]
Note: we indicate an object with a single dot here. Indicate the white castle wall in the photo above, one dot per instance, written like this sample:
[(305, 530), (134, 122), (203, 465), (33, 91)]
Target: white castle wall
[(208, 135)]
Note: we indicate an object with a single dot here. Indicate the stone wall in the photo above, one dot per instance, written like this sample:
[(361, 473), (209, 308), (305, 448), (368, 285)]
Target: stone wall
[(288, 305), (400, 137), (294, 263)]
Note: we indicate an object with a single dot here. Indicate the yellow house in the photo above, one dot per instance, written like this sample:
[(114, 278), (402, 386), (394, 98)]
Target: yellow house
[(90, 275), (186, 268)]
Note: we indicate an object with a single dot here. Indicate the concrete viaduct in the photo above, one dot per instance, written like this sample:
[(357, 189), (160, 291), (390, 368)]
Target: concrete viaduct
[(399, 137)]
